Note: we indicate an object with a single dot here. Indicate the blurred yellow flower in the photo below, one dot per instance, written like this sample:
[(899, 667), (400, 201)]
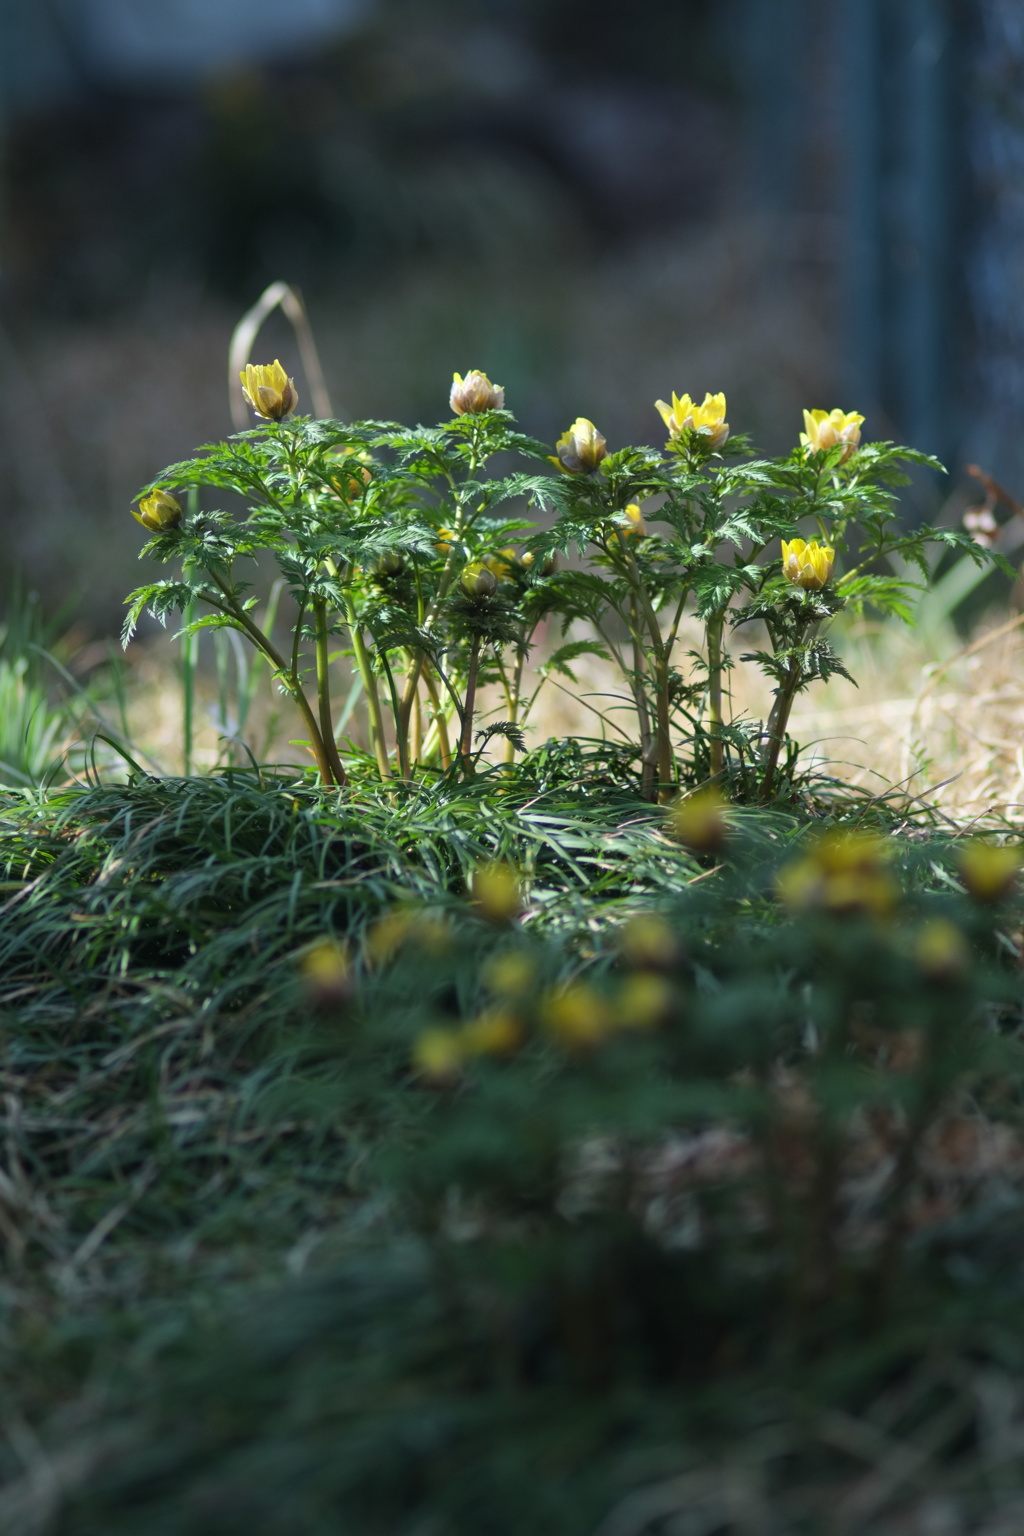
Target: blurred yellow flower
[(844, 872), (475, 393), (988, 871), (159, 512), (503, 563), (269, 390), (577, 1015), (497, 892), (438, 1054), (824, 429), (327, 973), (645, 1000), (648, 942), (495, 1033), (807, 565), (580, 450), (699, 820), (633, 522), (684, 415), (941, 950), (510, 973), (353, 469)]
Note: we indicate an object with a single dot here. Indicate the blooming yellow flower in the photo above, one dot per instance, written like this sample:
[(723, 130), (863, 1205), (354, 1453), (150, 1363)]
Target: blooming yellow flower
[(684, 415), (327, 973), (475, 393), (580, 450), (824, 429), (988, 871), (477, 581), (633, 522), (269, 390), (159, 512), (807, 565)]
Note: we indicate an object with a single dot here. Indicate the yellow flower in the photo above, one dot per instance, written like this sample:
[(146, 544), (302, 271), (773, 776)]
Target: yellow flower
[(699, 820), (844, 872), (438, 1054), (577, 1015), (327, 973), (824, 429), (645, 1000), (495, 1033), (580, 450), (989, 872), (633, 522), (445, 536), (684, 415), (497, 893), (475, 393), (807, 565), (354, 472), (941, 950), (503, 563), (269, 390), (159, 512), (477, 581), (649, 942), (510, 974)]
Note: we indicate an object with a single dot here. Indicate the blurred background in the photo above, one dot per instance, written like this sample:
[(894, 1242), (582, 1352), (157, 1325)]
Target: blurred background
[(595, 202)]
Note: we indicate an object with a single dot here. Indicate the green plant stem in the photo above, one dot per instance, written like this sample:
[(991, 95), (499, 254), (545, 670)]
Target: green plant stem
[(289, 676), (369, 677), (778, 720), (440, 720), (715, 626), (189, 648), (323, 688), (466, 741)]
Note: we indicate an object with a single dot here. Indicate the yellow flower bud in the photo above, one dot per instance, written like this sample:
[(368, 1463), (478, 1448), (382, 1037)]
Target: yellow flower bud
[(327, 973), (445, 536), (578, 1016), (497, 893), (989, 872), (477, 581), (354, 470), (824, 429), (699, 820), (503, 563), (580, 450), (269, 390), (495, 1033), (438, 1054), (159, 512), (684, 415), (390, 564), (807, 565), (475, 393)]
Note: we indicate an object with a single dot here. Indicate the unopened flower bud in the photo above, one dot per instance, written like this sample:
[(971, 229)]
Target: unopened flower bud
[(390, 564), (269, 390), (475, 393), (477, 581), (633, 522), (580, 450), (159, 512)]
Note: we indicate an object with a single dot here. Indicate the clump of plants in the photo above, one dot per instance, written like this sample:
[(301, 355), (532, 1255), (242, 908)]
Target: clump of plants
[(432, 555)]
